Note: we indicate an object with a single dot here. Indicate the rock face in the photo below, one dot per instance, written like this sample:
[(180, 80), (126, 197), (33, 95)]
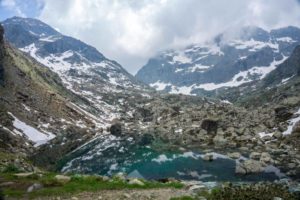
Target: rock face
[(202, 68)]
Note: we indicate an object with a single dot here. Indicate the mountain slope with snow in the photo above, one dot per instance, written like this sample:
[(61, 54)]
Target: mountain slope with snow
[(221, 63), (83, 69)]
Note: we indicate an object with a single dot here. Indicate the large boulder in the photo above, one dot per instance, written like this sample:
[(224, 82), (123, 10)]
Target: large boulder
[(136, 182), (266, 158), (219, 140), (116, 129), (210, 125), (62, 178), (249, 167), (283, 113), (255, 155)]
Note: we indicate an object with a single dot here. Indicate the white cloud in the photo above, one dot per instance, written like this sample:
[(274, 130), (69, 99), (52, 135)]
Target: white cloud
[(12, 6), (130, 31)]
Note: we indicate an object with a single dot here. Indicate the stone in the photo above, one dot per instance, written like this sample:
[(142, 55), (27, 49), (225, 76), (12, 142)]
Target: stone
[(62, 178), (283, 113), (135, 182), (74, 198), (277, 198), (126, 195), (265, 157), (248, 167), (197, 188), (210, 125), (208, 157), (277, 135), (23, 175), (234, 155), (255, 155), (34, 187), (116, 129), (219, 140)]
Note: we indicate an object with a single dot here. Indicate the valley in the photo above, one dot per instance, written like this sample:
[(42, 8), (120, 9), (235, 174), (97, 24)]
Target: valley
[(67, 109)]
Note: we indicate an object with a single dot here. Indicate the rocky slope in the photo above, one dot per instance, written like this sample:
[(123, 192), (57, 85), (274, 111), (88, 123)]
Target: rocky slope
[(230, 60), (83, 69), (35, 106)]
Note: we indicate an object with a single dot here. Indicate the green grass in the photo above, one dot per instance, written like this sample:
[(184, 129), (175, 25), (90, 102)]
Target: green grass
[(77, 184)]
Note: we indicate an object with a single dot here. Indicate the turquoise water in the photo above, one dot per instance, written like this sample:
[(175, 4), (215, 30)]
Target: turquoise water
[(108, 155)]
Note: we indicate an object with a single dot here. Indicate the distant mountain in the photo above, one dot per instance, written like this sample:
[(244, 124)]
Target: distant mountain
[(227, 61)]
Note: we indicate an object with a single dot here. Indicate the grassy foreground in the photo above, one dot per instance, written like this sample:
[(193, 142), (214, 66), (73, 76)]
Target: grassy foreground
[(77, 184)]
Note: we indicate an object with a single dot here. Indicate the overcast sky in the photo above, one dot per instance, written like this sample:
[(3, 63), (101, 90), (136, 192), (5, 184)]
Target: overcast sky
[(131, 31)]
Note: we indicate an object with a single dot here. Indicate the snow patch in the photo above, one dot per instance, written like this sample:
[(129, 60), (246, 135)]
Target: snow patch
[(161, 158), (292, 123), (285, 39), (31, 133)]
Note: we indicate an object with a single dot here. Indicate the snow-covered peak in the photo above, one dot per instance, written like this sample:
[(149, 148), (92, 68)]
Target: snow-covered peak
[(248, 55)]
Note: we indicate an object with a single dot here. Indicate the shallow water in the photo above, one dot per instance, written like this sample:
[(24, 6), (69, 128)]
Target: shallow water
[(108, 155)]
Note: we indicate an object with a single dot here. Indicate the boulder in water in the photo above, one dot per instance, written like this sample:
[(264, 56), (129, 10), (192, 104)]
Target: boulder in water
[(249, 167)]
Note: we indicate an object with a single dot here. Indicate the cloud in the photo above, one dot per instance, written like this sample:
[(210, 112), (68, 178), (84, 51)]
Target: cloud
[(131, 31), (12, 6)]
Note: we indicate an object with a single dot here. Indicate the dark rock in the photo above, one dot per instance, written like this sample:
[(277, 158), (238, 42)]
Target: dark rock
[(116, 129), (283, 113), (211, 126)]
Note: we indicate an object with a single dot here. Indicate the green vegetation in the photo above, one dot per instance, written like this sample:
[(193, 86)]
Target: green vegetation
[(257, 192), (77, 184)]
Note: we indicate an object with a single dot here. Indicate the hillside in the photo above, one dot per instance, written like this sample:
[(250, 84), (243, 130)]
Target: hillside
[(35, 106)]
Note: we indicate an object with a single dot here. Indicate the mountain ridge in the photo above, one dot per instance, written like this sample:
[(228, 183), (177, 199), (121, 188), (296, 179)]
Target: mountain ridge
[(198, 69)]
